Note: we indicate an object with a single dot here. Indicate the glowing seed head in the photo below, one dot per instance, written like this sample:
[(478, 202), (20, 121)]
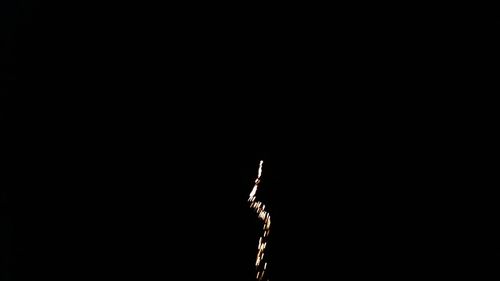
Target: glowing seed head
[(259, 207)]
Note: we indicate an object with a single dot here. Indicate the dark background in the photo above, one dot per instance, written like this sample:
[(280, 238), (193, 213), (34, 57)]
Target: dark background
[(133, 135)]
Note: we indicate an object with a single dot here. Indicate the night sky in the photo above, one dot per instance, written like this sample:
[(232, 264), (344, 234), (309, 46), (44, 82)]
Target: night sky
[(133, 136)]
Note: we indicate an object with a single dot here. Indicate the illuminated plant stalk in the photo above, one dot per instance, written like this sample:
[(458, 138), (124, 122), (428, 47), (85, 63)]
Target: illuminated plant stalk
[(263, 215)]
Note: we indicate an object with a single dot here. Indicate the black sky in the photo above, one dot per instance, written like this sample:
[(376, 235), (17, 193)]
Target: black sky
[(133, 136)]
